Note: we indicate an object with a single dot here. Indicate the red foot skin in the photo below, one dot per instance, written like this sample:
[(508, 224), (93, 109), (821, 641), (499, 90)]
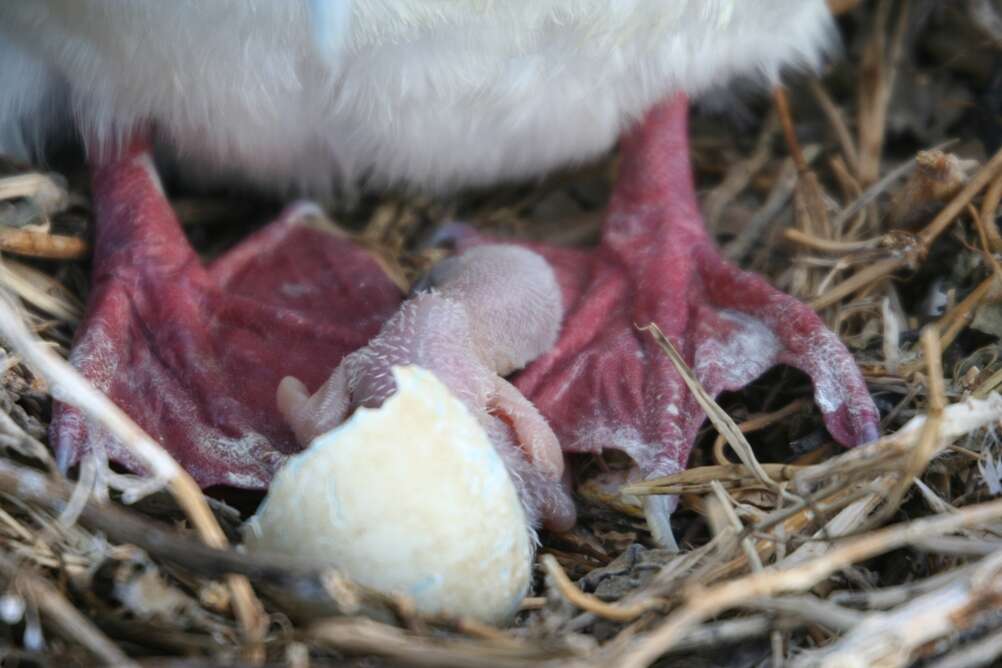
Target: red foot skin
[(194, 352), (607, 385)]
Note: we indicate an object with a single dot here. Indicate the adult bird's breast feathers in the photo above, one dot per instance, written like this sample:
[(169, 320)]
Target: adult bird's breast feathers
[(312, 94)]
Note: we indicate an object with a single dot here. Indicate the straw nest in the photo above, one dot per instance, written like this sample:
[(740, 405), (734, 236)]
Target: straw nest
[(871, 192)]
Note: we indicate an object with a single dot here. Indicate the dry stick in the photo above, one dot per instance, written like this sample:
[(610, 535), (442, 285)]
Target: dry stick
[(40, 290), (697, 480), (66, 617), (889, 597), (898, 637), (364, 636), (866, 197), (789, 131), (593, 604), (987, 387), (878, 73), (959, 419), (830, 245), (985, 16), (68, 385), (811, 609), (706, 602), (808, 188), (48, 193), (989, 209), (953, 323), (783, 189), (838, 124), (720, 419), (304, 588), (984, 235), (929, 437), (925, 238), (850, 187), (42, 244), (14, 437), (731, 515), (982, 652)]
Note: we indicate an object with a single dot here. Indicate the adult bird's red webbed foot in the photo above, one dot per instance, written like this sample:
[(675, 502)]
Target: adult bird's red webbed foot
[(193, 352), (607, 385)]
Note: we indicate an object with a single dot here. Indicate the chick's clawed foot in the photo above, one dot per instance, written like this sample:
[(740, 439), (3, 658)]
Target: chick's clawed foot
[(485, 314)]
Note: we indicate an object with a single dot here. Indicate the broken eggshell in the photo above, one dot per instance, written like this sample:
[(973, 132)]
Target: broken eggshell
[(409, 498)]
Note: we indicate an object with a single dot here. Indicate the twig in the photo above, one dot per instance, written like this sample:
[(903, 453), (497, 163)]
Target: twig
[(777, 199), (925, 238), (42, 244), (983, 652), (68, 385), (929, 437), (47, 191), (589, 603), (12, 436), (703, 603), (810, 609), (838, 124), (889, 597), (896, 637), (829, 245), (958, 419), (697, 480), (720, 419), (303, 589), (364, 636), (739, 176), (67, 618), (868, 196)]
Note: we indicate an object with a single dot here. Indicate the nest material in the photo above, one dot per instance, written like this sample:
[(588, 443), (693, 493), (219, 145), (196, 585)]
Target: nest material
[(871, 192)]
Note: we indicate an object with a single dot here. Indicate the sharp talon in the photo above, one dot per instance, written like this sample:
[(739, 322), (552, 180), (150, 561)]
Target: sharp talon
[(290, 397), (658, 511), (870, 433), (453, 235), (65, 456)]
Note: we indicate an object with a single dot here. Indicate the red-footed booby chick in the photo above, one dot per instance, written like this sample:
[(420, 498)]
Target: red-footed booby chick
[(425, 471), (488, 313), (313, 94)]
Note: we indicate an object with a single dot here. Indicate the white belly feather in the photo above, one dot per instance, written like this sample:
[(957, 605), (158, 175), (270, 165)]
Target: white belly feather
[(436, 93)]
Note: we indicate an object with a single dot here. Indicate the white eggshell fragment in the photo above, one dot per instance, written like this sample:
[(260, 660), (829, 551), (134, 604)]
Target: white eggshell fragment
[(409, 498)]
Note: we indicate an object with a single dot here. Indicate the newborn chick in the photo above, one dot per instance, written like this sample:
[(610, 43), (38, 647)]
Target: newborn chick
[(488, 313)]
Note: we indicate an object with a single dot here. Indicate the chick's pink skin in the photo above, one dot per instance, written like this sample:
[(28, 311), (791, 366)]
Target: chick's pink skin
[(489, 312)]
